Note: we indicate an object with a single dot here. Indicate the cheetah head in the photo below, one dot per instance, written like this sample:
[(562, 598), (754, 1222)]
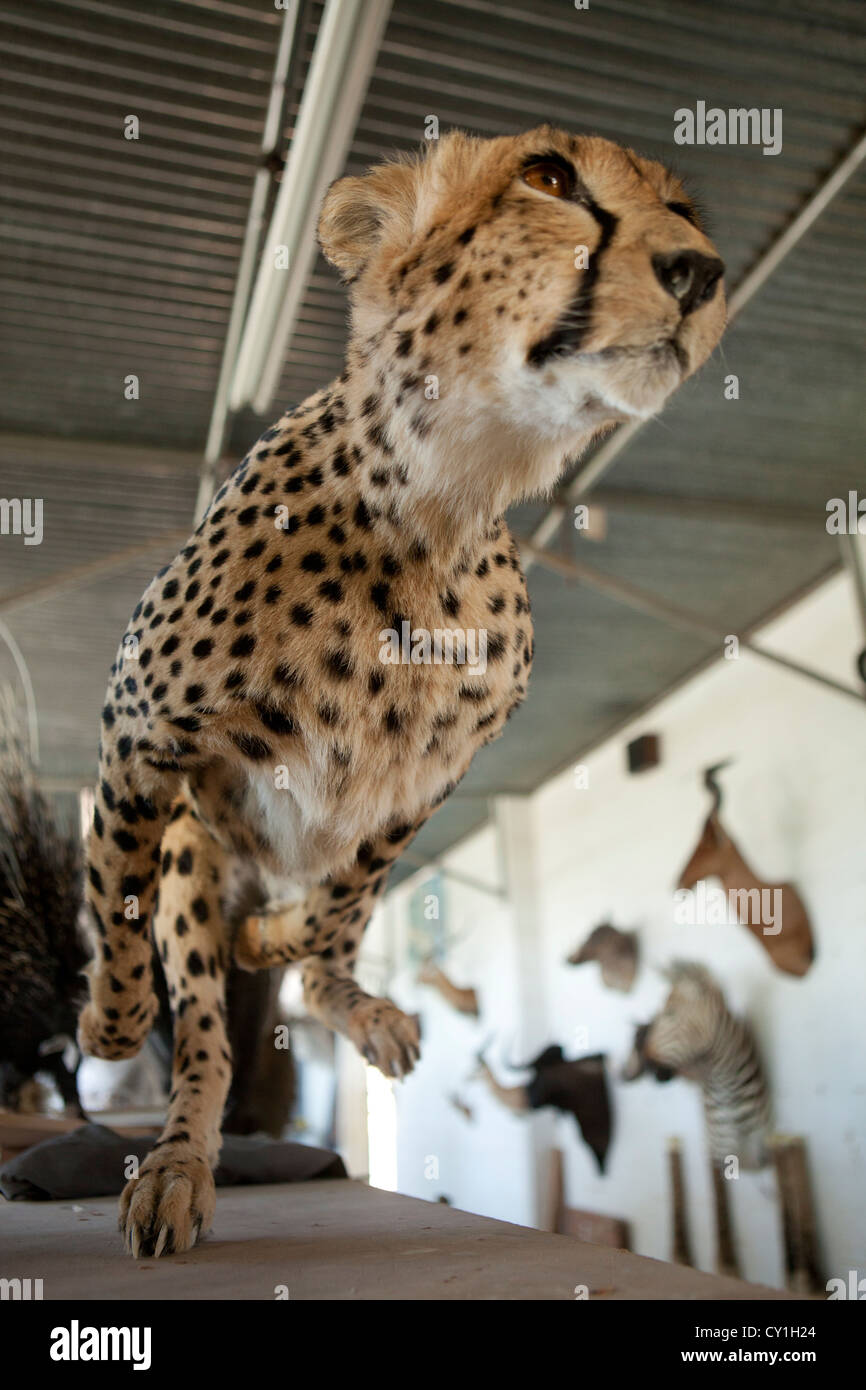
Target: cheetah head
[(548, 285)]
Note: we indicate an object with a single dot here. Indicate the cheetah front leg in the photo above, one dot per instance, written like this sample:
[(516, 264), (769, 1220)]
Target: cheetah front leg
[(385, 1036), (325, 932), (172, 1201)]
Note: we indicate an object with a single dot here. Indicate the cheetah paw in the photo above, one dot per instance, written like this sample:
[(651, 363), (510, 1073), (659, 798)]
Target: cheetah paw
[(169, 1205), (106, 1030), (386, 1037)]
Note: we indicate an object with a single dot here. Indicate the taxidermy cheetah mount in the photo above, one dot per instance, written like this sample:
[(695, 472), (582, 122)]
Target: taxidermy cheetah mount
[(253, 734)]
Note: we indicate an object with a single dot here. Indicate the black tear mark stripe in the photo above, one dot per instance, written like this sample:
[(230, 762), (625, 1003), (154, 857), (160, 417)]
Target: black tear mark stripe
[(574, 324)]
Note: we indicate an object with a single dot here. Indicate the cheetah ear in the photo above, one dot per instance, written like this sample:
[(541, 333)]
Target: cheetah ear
[(358, 213)]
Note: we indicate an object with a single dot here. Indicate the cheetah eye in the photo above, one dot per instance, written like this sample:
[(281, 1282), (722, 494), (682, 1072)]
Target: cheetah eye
[(685, 210), (546, 177)]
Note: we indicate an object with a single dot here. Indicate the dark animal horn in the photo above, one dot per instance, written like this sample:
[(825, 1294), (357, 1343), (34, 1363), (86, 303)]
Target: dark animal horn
[(712, 785)]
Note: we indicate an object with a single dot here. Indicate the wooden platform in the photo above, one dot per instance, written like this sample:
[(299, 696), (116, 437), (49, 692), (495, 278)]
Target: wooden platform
[(333, 1240)]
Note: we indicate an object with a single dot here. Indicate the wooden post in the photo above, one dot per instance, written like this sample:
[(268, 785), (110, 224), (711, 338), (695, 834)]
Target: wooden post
[(681, 1253), (555, 1193), (726, 1250), (799, 1232)]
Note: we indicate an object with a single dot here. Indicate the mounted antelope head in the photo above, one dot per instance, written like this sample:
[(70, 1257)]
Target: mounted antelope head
[(783, 930), (709, 853), (465, 1001), (515, 1098), (616, 953)]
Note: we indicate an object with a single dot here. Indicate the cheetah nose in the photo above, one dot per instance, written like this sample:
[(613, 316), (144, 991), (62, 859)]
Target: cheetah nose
[(689, 276)]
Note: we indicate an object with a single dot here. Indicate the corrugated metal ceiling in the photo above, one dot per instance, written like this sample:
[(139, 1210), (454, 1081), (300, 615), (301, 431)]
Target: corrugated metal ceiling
[(119, 256)]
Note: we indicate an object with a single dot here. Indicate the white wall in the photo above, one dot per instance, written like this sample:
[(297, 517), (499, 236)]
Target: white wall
[(795, 801), (483, 1165)]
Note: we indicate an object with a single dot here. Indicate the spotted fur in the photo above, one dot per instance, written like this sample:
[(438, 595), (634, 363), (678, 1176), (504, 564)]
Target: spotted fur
[(256, 723)]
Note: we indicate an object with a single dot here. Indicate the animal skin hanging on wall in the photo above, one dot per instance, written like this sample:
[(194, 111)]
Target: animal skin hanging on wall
[(773, 912), (577, 1088), (616, 952)]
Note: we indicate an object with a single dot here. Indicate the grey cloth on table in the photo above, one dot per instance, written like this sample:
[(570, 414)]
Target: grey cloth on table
[(91, 1162)]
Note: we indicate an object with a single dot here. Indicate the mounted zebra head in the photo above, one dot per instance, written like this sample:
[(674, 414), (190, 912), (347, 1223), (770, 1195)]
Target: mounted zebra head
[(638, 1063), (682, 1033), (677, 1040), (695, 1035)]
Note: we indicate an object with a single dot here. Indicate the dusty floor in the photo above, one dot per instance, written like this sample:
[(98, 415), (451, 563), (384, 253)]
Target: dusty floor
[(333, 1240)]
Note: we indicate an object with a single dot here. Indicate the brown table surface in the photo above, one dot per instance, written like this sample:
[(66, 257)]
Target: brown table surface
[(334, 1240)]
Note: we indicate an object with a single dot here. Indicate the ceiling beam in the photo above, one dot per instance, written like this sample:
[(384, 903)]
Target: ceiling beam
[(344, 55), (270, 162), (419, 861), (709, 509), (621, 591), (53, 585)]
